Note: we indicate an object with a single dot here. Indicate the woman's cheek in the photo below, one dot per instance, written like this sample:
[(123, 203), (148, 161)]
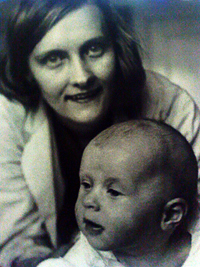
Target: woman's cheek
[(104, 68), (52, 82)]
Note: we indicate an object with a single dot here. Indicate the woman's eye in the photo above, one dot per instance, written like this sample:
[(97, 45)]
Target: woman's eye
[(53, 60), (95, 50), (114, 193)]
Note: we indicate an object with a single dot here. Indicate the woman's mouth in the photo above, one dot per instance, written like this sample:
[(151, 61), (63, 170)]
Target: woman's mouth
[(85, 96), (93, 228)]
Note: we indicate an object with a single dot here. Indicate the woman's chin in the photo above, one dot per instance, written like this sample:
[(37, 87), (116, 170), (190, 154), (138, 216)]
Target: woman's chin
[(85, 123)]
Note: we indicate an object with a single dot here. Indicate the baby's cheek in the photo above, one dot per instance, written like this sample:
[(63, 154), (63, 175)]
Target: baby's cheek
[(78, 209)]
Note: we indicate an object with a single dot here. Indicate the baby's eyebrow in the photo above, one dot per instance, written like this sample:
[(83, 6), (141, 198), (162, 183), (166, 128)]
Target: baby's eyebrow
[(111, 180), (119, 182), (83, 175)]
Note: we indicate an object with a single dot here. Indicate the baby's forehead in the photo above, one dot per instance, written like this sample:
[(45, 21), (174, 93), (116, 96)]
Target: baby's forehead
[(138, 152), (135, 141)]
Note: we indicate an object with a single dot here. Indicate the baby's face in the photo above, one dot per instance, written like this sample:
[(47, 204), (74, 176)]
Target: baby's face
[(114, 210)]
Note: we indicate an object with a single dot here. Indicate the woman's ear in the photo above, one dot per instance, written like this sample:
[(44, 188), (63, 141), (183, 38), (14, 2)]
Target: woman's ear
[(174, 212)]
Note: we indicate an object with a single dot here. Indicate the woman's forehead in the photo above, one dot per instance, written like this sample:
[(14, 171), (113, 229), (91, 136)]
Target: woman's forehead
[(78, 26)]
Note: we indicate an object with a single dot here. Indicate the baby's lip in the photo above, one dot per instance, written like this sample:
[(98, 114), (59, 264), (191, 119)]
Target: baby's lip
[(84, 96), (92, 227)]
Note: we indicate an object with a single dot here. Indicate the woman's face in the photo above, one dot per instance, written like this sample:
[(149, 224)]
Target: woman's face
[(74, 66)]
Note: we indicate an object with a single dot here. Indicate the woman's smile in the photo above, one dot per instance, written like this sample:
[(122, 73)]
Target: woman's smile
[(74, 66), (86, 96)]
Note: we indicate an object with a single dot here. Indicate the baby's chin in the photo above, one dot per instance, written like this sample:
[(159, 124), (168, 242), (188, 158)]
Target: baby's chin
[(100, 243), (100, 246)]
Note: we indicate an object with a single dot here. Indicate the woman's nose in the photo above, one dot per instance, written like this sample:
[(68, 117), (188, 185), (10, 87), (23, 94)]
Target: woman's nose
[(91, 201), (81, 76)]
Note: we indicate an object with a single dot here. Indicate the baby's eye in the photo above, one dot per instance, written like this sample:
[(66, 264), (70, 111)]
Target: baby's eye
[(86, 185), (114, 193), (94, 50)]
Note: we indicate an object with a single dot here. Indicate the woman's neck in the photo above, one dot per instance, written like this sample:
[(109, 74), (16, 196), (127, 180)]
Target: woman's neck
[(86, 132)]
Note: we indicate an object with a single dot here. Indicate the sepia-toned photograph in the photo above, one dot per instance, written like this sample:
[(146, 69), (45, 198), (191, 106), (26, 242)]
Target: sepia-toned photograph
[(99, 133)]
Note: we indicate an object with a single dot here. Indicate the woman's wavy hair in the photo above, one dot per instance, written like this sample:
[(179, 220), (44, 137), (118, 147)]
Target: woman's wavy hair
[(28, 22)]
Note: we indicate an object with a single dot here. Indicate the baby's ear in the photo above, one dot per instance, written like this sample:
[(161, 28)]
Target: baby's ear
[(173, 214)]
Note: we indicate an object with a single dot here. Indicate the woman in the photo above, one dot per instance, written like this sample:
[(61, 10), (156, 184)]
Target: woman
[(69, 69)]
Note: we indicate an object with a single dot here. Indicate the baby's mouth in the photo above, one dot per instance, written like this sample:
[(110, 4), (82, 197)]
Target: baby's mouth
[(85, 96), (93, 228)]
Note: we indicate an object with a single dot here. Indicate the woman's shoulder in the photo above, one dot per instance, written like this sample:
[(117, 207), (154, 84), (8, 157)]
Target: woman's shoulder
[(162, 95), (14, 114), (11, 112), (158, 85), (11, 105)]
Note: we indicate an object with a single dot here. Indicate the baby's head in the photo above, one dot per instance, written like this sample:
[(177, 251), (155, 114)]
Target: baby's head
[(138, 184)]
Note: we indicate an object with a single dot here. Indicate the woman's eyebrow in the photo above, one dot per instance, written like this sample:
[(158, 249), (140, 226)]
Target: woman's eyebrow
[(99, 39), (41, 55)]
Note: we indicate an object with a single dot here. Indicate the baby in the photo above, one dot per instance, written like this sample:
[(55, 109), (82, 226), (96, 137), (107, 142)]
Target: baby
[(137, 198)]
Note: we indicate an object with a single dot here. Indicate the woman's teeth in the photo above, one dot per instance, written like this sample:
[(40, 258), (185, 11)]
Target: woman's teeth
[(84, 96)]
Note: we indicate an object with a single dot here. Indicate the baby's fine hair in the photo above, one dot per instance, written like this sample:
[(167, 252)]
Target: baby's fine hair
[(172, 155)]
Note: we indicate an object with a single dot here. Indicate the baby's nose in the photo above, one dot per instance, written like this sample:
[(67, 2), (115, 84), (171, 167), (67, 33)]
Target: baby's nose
[(91, 201)]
